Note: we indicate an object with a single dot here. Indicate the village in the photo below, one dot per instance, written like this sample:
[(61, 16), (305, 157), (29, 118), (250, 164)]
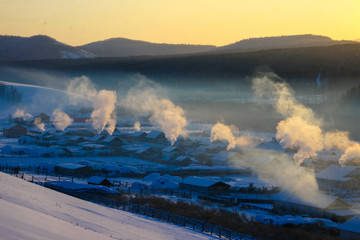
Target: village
[(194, 168)]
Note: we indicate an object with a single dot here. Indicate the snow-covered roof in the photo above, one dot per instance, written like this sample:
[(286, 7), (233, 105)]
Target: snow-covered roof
[(352, 225), (97, 138), (96, 179), (171, 148), (182, 158), (336, 172), (136, 147), (153, 134), (109, 139), (70, 165), (201, 182), (321, 201), (80, 186), (77, 138), (142, 150), (94, 146), (138, 134), (223, 156)]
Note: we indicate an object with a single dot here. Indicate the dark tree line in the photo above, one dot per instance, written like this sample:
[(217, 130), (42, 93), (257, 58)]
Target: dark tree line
[(9, 94)]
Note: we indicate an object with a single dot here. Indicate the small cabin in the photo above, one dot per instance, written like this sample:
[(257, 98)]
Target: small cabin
[(204, 185), (157, 137), (183, 161), (169, 153), (73, 169), (97, 180), (15, 131), (112, 141), (43, 117)]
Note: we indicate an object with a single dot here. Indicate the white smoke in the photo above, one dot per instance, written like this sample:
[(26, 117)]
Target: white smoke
[(170, 117), (103, 115), (137, 126), (61, 119), (278, 169), (39, 124), (19, 113), (302, 129), (223, 132)]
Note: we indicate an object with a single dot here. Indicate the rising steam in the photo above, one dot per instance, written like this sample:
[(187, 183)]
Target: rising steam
[(170, 117), (39, 124), (20, 114), (137, 126), (302, 129), (223, 132), (61, 120), (103, 115)]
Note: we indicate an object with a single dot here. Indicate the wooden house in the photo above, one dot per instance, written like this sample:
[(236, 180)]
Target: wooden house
[(336, 178), (73, 169), (156, 137), (97, 180), (44, 118), (15, 131), (169, 153), (204, 185)]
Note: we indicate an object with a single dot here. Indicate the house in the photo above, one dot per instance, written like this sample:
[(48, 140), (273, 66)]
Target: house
[(169, 153), (97, 138), (146, 153), (96, 180), (138, 136), (183, 160), (222, 158), (183, 141), (112, 141), (288, 202), (76, 140), (337, 178), (157, 137), (350, 230), (15, 131), (44, 118), (204, 185), (73, 169)]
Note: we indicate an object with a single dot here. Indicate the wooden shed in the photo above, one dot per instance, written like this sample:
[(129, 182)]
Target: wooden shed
[(72, 169), (97, 180), (15, 131), (204, 185)]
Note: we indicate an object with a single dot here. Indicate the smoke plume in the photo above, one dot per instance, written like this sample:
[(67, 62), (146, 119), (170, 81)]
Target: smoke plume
[(223, 132), (301, 129), (19, 113), (61, 120), (278, 169), (103, 115), (137, 126), (170, 117), (39, 124)]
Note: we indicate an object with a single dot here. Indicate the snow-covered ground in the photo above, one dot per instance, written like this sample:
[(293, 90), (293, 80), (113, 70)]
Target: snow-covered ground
[(29, 211)]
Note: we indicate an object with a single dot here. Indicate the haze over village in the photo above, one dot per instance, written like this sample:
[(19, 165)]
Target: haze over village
[(179, 120)]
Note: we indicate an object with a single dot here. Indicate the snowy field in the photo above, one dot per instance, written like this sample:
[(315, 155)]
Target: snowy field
[(29, 211)]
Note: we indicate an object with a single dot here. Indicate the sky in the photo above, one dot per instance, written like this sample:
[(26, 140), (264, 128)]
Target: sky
[(214, 22)]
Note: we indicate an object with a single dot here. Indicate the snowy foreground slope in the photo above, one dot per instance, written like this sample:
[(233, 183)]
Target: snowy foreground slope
[(29, 211)]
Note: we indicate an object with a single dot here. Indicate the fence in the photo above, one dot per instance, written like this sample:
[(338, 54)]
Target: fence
[(158, 214)]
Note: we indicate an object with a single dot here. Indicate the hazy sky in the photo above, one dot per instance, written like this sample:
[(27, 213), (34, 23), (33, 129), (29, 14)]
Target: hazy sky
[(217, 22)]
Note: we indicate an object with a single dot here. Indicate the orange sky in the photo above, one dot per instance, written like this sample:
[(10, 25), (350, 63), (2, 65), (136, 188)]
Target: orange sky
[(77, 22)]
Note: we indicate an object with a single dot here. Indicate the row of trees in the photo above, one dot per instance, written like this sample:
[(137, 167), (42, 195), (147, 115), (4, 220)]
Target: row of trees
[(9, 94)]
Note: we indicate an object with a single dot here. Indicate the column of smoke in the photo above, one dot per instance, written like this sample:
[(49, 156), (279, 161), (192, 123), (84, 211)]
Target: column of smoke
[(278, 169), (170, 117), (223, 132), (103, 116), (20, 114), (39, 124), (137, 126), (61, 120), (302, 129)]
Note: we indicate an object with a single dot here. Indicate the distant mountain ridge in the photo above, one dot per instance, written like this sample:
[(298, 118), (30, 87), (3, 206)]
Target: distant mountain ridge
[(292, 41), (40, 47), (123, 47), (36, 48)]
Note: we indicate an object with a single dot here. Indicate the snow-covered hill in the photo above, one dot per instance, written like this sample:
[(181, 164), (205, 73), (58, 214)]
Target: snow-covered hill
[(29, 211), (37, 99)]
